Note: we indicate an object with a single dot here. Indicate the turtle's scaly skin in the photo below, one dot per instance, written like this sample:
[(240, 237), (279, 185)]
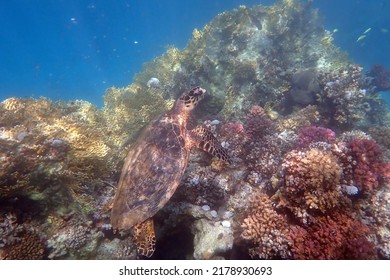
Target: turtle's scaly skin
[(145, 238), (156, 163)]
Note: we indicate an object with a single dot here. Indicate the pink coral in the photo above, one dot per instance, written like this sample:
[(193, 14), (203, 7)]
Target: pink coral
[(232, 128), (369, 169), (312, 134)]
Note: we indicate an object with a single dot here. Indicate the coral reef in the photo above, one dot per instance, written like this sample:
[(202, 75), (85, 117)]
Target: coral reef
[(137, 105), (298, 118), (304, 86), (342, 88), (380, 77), (307, 116), (70, 240), (381, 135)]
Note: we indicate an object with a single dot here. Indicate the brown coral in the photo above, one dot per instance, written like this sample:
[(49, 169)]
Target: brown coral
[(28, 247), (311, 180), (305, 117), (381, 135), (266, 229)]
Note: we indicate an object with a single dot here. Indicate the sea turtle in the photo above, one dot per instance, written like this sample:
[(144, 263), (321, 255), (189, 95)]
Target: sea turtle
[(155, 166)]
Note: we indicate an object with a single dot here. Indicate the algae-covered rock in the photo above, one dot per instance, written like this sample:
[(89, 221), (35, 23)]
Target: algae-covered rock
[(250, 50)]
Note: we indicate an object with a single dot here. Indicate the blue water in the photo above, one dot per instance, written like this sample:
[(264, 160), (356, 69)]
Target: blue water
[(76, 49)]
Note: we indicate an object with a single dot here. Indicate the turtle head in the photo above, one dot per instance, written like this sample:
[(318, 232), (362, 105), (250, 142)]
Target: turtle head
[(189, 99)]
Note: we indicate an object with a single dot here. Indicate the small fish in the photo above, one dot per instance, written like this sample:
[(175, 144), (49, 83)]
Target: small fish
[(361, 37), (335, 30), (384, 30), (367, 30)]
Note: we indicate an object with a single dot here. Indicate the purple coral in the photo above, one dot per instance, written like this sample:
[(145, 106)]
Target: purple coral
[(312, 134)]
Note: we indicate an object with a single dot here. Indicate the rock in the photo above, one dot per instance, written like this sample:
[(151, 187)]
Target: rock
[(211, 239), (226, 224)]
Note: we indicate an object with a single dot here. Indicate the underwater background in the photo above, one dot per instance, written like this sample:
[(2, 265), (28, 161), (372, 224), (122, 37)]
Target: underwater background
[(77, 49), (296, 97)]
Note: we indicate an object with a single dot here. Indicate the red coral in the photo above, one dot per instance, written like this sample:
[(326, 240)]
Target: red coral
[(337, 237), (369, 169), (312, 134)]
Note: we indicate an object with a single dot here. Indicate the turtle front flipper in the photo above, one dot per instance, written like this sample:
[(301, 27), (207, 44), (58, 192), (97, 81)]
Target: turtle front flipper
[(145, 238), (205, 140)]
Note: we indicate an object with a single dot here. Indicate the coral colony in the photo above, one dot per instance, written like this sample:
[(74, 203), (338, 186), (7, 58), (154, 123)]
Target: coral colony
[(306, 130)]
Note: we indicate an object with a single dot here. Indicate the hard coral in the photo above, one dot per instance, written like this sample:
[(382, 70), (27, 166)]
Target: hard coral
[(380, 77), (28, 247), (381, 135), (310, 181), (307, 116), (266, 229), (257, 123), (264, 157), (342, 98), (49, 150), (312, 134), (332, 237), (369, 169)]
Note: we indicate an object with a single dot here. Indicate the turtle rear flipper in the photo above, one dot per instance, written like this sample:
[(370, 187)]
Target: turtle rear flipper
[(144, 238), (205, 140)]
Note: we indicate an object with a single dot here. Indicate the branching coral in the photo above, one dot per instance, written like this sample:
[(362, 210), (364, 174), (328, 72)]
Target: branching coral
[(369, 169), (307, 116), (343, 98), (311, 181), (264, 157), (332, 237), (266, 229), (257, 123), (312, 134), (27, 247)]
